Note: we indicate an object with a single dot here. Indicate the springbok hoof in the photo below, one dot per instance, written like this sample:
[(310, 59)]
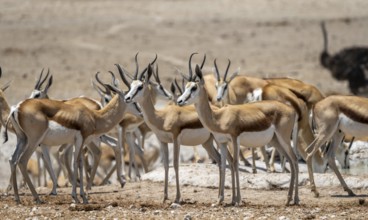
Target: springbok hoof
[(350, 192)]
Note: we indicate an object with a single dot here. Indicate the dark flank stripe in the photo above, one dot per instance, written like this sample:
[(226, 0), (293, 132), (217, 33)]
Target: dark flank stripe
[(355, 115)]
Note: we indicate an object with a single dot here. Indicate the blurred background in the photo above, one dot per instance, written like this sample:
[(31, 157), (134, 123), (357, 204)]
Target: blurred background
[(265, 38)]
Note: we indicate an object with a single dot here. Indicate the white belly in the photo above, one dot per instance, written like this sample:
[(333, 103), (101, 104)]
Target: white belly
[(258, 138), (58, 134), (351, 127), (189, 137), (192, 137), (254, 96), (163, 136)]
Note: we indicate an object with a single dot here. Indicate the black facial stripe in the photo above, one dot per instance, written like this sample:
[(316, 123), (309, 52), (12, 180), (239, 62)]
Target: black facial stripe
[(223, 91)]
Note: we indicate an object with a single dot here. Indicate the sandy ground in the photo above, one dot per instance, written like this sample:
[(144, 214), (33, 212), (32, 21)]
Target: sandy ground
[(140, 200), (75, 39)]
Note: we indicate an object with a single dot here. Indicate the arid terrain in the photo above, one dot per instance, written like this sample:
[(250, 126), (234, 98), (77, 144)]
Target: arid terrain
[(266, 38), (143, 200)]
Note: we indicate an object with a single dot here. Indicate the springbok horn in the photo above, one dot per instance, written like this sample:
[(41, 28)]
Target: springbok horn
[(114, 81), (39, 79), (6, 85), (122, 75), (190, 66), (177, 85), (145, 69), (136, 67), (204, 60), (217, 71), (227, 70), (100, 82), (44, 79)]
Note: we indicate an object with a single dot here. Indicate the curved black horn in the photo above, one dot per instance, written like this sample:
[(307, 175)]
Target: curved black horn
[(156, 75), (4, 87), (136, 66), (1, 72), (100, 82), (177, 85), (190, 66), (113, 78), (122, 75), (154, 60), (145, 69), (39, 79), (217, 71), (204, 60), (227, 69), (97, 88), (44, 79)]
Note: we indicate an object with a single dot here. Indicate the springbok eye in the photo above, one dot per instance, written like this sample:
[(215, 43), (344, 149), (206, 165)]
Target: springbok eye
[(37, 96), (140, 87), (194, 88)]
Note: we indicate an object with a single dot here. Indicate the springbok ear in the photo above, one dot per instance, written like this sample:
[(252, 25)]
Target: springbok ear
[(116, 83), (148, 74), (172, 88), (199, 74), (235, 74)]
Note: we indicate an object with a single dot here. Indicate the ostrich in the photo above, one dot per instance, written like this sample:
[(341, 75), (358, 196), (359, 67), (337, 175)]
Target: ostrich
[(348, 64)]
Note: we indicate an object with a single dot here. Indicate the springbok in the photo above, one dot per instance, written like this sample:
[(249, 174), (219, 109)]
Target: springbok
[(256, 124), (129, 126), (52, 122), (171, 124), (66, 149), (5, 112), (335, 117)]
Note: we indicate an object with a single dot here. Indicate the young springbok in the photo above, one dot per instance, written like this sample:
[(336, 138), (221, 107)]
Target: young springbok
[(256, 124)]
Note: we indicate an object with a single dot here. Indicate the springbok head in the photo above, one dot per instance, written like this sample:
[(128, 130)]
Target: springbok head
[(110, 90), (222, 83), (137, 88), (192, 89), (104, 93), (39, 92), (177, 90)]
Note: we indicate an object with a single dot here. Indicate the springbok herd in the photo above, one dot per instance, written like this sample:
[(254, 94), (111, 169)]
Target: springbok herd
[(207, 109)]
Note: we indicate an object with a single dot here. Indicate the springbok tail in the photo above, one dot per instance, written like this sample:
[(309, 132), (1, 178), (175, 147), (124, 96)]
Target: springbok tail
[(5, 133)]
